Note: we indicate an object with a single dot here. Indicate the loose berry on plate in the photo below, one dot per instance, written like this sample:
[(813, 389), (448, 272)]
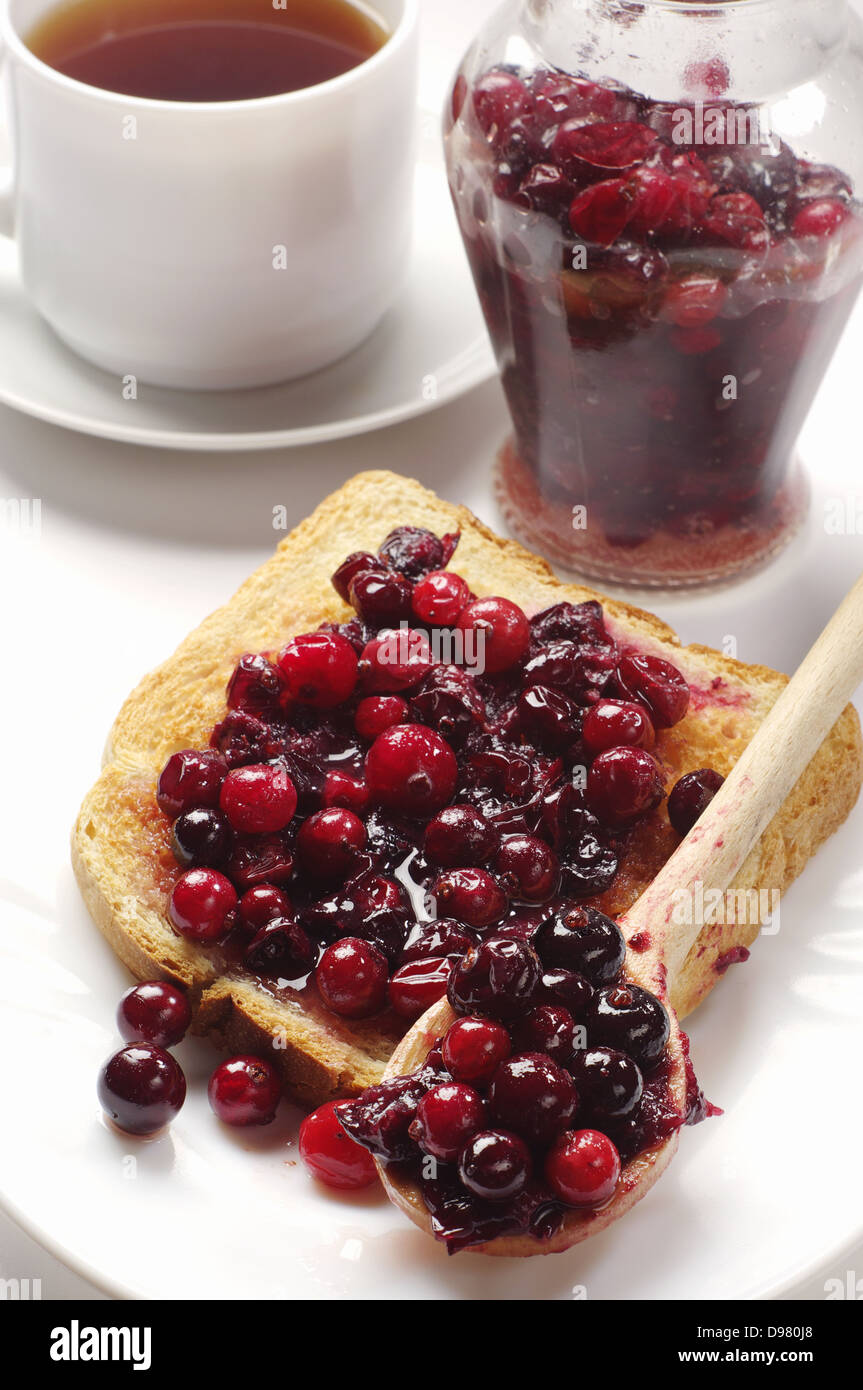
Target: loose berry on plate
[(141, 1088), (154, 1012), (245, 1091), (331, 1155)]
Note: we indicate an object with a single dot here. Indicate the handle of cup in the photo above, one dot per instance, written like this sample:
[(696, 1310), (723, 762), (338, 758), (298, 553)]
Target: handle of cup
[(7, 182)]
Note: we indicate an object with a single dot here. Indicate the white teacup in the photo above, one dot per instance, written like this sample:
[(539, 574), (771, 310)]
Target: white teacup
[(211, 245)]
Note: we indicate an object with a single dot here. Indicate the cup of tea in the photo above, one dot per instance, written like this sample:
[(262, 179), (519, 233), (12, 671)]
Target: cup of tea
[(211, 194)]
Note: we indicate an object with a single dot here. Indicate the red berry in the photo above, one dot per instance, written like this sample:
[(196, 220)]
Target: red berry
[(329, 841), (498, 98), (472, 896), (601, 212), (348, 570), (411, 769), (352, 977), (581, 148), (260, 860), (260, 799), (624, 783), (473, 1048), (245, 1091), (459, 835), (821, 218), (738, 220), (528, 869), (154, 1012), (502, 633), (280, 948), (694, 300), (261, 905), (656, 684), (495, 1165), (190, 779), (377, 713), (695, 342), (690, 798), (340, 789), (395, 660), (533, 1096), (583, 1168), (381, 598), (418, 984), (141, 1088), (199, 905), (331, 1155), (440, 597), (447, 1117), (256, 685), (548, 1028), (320, 669), (616, 723)]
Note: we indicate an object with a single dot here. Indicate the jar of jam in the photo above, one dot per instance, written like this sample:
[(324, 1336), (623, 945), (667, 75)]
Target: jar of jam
[(659, 201)]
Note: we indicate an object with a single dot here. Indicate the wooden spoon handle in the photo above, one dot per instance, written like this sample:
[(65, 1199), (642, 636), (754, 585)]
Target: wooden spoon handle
[(714, 851)]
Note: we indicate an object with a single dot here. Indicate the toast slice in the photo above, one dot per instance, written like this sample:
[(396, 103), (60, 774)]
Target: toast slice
[(121, 841)]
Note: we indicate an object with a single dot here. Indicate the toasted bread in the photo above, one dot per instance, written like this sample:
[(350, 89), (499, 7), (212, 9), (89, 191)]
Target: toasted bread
[(121, 841)]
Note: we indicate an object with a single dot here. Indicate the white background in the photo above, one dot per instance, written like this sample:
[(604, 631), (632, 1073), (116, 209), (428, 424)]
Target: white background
[(137, 545)]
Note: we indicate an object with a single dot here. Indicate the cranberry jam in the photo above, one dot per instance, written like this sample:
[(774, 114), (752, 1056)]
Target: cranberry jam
[(663, 308), (393, 810), (537, 1094)]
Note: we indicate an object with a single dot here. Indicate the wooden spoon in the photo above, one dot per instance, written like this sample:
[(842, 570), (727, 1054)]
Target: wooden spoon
[(712, 855)]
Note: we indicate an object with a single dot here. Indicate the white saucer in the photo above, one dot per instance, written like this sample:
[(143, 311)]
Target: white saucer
[(431, 347)]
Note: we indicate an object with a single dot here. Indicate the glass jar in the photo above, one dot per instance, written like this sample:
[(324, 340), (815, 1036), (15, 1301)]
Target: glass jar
[(658, 200)]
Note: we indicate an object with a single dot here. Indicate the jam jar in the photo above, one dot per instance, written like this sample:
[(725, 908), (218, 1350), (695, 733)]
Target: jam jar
[(659, 202)]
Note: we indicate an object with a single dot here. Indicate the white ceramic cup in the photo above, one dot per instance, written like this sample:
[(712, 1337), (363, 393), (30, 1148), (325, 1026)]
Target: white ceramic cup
[(212, 245)]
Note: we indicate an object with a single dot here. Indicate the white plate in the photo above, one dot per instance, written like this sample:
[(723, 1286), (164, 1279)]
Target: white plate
[(755, 1200), (431, 347)]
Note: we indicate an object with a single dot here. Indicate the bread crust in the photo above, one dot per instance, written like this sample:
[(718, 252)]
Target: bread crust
[(120, 842)]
